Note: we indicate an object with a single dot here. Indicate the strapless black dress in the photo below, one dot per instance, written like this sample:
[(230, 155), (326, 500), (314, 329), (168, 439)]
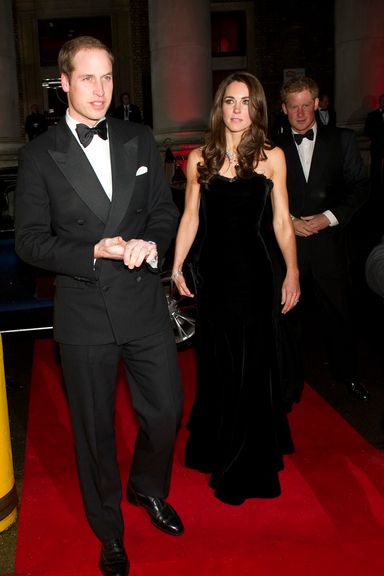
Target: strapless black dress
[(238, 428)]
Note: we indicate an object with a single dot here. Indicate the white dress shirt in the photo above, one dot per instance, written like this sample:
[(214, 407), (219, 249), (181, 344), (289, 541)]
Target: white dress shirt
[(98, 155), (324, 116), (305, 151)]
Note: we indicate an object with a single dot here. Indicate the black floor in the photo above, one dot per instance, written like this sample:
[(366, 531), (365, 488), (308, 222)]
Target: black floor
[(366, 417)]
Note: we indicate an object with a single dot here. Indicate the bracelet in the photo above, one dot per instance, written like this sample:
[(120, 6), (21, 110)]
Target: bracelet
[(176, 274)]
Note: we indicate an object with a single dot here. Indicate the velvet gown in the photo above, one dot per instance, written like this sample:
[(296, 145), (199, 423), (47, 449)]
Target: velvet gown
[(238, 427)]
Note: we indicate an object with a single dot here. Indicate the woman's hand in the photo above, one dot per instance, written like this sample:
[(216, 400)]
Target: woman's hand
[(178, 279), (290, 292)]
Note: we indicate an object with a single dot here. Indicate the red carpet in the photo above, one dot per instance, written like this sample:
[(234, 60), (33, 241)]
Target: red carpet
[(328, 521)]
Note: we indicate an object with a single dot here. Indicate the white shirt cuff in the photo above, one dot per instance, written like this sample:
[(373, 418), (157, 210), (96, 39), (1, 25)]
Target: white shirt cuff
[(331, 217)]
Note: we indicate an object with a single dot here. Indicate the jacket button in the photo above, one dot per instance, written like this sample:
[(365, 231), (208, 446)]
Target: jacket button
[(80, 221), (105, 288), (138, 279)]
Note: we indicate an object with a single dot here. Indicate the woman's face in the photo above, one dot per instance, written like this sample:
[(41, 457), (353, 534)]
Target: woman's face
[(235, 107)]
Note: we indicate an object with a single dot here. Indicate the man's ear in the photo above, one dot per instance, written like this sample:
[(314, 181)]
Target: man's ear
[(64, 82), (316, 103), (284, 108)]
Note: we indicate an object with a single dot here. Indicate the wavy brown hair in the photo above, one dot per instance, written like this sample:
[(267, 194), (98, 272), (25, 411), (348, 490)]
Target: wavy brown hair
[(253, 141)]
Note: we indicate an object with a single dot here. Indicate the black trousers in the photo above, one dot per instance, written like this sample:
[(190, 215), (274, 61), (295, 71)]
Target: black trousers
[(323, 264), (90, 375)]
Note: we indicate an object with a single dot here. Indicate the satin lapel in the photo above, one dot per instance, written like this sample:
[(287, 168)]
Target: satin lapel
[(75, 167), (124, 166), (296, 183), (293, 160), (320, 151)]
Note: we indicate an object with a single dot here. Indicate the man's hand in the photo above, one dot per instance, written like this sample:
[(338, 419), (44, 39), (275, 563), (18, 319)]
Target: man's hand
[(136, 251), (112, 248), (309, 225), (133, 252)]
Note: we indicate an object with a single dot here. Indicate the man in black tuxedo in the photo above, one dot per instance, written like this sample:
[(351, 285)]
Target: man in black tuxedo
[(127, 110), (374, 129), (325, 113), (93, 206), (35, 123), (327, 184)]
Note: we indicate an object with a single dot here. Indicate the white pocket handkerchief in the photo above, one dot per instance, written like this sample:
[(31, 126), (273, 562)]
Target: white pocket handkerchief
[(141, 170)]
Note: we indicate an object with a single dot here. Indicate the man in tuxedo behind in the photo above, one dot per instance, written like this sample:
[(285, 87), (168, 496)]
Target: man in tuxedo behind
[(327, 184), (35, 123), (126, 110), (374, 129), (93, 206), (325, 113)]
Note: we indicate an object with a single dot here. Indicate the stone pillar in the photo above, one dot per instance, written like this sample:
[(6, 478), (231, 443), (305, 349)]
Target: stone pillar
[(359, 59), (10, 132), (180, 69)]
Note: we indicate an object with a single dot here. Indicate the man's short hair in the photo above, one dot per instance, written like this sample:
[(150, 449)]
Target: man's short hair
[(72, 47), (299, 85)]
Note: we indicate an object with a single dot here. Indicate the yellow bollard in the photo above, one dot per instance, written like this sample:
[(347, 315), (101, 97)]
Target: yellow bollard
[(8, 494)]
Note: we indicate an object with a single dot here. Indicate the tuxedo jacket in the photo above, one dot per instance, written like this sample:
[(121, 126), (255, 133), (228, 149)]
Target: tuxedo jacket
[(134, 114), (374, 129), (337, 182), (331, 117), (62, 211), (337, 179)]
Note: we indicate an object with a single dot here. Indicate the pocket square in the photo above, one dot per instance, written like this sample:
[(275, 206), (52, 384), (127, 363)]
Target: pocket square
[(141, 170)]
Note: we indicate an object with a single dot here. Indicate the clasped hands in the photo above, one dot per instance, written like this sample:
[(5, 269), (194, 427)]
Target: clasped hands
[(133, 252), (309, 225)]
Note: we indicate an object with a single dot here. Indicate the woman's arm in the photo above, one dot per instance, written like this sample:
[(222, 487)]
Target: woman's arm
[(189, 223), (284, 231)]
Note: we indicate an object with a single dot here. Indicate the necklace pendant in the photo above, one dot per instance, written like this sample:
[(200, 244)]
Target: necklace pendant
[(232, 156)]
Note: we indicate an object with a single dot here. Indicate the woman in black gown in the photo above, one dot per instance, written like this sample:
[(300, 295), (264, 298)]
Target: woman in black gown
[(238, 428)]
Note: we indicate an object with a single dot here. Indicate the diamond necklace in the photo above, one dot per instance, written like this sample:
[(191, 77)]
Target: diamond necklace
[(232, 156)]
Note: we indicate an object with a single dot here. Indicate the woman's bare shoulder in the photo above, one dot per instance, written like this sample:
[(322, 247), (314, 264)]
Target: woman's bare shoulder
[(196, 155), (275, 154), (275, 159), (273, 163)]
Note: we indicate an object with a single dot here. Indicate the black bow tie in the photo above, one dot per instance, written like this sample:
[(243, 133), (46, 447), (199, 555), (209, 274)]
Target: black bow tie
[(86, 133), (299, 137)]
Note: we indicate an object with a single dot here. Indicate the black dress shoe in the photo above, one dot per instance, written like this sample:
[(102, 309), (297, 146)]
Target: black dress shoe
[(357, 389), (162, 515), (113, 559)]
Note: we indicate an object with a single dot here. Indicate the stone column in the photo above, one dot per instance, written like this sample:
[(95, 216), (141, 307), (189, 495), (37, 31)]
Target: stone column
[(180, 69), (359, 59), (10, 132)]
